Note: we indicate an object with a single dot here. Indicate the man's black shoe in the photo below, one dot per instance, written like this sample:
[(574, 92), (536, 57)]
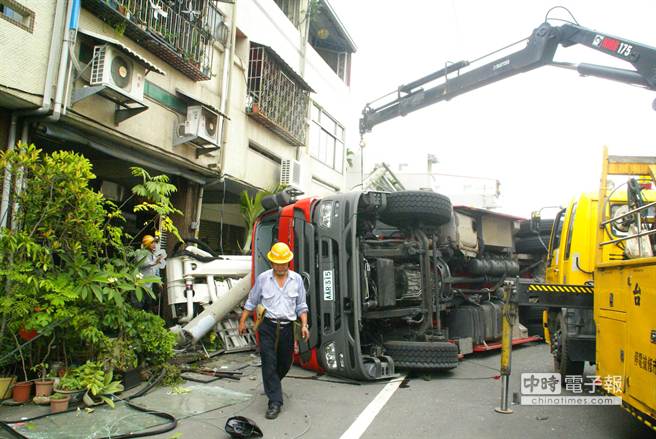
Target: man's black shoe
[(273, 411)]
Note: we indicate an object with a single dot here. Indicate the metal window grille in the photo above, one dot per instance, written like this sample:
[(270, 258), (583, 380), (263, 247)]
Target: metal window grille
[(276, 100)]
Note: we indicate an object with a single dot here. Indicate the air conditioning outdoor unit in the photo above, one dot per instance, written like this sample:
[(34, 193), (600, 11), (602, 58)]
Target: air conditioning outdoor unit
[(290, 173), (122, 76), (202, 124)]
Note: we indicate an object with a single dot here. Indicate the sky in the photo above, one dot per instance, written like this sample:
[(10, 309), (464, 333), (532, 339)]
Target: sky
[(540, 133)]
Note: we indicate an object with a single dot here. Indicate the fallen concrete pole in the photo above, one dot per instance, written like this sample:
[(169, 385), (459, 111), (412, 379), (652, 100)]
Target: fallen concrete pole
[(213, 314)]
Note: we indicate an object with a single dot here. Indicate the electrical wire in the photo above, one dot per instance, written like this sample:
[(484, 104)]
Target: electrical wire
[(546, 16)]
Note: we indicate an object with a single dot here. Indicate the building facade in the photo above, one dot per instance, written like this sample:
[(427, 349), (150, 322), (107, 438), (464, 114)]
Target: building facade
[(220, 95)]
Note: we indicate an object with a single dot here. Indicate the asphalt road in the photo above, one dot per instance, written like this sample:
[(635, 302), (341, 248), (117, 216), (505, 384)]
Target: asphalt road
[(459, 403), (454, 404)]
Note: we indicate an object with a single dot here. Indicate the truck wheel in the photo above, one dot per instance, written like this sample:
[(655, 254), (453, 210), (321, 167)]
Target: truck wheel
[(532, 244), (422, 355), (544, 228), (562, 362), (412, 207)]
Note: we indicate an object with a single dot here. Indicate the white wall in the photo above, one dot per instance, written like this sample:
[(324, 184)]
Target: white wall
[(263, 22), (24, 55)]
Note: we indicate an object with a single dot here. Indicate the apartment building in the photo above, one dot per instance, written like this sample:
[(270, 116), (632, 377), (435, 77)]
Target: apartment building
[(220, 95)]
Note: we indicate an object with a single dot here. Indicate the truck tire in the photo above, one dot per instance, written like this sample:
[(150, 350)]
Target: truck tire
[(413, 207), (562, 362), (532, 244), (422, 355), (544, 228)]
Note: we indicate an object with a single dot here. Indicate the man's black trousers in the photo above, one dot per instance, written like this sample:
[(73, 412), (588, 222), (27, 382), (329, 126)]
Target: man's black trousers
[(276, 350)]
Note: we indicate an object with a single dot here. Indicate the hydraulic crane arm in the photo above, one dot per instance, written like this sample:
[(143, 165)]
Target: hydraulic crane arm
[(539, 51)]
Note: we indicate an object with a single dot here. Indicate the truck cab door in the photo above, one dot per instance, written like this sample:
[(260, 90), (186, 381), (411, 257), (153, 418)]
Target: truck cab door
[(304, 257), (554, 257)]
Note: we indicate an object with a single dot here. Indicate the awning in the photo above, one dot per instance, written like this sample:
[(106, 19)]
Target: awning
[(143, 159), (190, 98), (141, 60)]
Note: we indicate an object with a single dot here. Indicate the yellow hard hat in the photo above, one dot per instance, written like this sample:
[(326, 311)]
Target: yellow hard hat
[(147, 240), (280, 253)]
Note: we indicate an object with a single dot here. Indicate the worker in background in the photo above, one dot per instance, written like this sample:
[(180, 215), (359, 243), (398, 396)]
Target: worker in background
[(281, 292), (151, 260)]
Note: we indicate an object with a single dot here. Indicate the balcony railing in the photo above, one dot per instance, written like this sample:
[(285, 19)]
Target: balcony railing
[(182, 33)]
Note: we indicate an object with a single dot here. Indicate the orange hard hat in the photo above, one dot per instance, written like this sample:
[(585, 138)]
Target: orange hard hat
[(147, 240), (280, 253)]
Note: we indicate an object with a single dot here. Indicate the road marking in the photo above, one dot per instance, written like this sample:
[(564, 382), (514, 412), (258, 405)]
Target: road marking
[(360, 425)]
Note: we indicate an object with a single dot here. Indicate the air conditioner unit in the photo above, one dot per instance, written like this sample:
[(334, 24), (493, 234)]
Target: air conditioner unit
[(201, 126), (290, 173), (121, 75)]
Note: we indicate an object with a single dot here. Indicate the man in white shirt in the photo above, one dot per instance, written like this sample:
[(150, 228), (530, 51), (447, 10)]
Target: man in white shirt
[(281, 292)]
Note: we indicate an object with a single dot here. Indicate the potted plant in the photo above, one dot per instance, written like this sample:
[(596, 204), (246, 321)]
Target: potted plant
[(99, 384), (122, 357), (59, 402), (43, 383), (22, 390), (70, 384)]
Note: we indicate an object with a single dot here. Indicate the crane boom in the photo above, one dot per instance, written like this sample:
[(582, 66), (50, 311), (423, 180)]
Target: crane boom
[(539, 51)]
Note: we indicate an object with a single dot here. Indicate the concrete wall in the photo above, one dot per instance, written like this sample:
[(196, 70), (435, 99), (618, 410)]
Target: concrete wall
[(153, 127), (263, 22), (24, 55)]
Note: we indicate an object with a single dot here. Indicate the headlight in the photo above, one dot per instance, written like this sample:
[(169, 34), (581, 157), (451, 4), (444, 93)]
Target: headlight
[(326, 215), (331, 358)]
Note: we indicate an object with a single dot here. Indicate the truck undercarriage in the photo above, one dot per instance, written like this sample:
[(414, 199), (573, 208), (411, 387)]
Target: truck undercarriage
[(394, 279)]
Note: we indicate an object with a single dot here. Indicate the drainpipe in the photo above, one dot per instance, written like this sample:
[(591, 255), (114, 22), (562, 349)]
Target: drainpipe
[(304, 35), (199, 209), (57, 26), (20, 180), (226, 83), (4, 203), (72, 18)]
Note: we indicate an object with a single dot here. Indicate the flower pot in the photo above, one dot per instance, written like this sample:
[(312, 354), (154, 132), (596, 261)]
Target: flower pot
[(59, 405), (5, 386), (22, 391), (75, 395), (89, 401), (44, 388)]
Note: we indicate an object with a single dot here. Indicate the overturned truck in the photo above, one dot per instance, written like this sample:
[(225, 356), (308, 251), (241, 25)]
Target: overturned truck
[(398, 279)]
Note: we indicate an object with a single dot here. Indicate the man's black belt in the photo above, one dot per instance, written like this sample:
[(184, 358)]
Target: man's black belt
[(278, 321)]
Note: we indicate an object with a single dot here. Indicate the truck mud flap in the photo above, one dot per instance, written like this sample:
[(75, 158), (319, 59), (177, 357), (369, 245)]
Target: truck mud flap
[(554, 295)]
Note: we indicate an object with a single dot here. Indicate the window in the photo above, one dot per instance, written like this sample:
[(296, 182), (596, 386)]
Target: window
[(214, 22), (326, 139), (570, 232), (555, 236), (277, 96), (291, 8), (17, 14)]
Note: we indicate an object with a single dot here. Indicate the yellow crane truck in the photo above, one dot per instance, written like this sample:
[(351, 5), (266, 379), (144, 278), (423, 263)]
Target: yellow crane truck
[(625, 289), (618, 230)]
